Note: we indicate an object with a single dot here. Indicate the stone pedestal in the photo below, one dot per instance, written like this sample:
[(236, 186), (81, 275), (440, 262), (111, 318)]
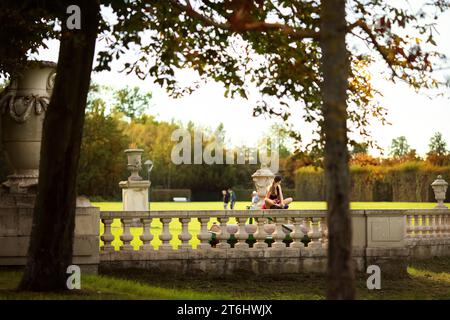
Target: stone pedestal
[(135, 195), (16, 215)]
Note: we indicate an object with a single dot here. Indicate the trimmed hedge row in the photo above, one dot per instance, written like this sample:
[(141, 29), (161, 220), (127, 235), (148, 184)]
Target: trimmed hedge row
[(169, 194), (241, 194), (407, 182)]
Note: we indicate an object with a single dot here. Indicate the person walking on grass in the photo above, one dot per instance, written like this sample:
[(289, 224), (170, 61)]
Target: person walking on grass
[(232, 198), (274, 198), (226, 199)]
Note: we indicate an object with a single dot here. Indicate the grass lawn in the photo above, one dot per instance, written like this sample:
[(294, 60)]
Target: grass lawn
[(194, 226), (428, 279)]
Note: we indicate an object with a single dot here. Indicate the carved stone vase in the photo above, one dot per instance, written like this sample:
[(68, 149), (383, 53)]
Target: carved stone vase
[(23, 105)]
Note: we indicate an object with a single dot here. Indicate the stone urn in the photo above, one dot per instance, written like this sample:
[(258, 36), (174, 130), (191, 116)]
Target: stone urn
[(262, 178), (440, 189), (134, 157), (23, 104)]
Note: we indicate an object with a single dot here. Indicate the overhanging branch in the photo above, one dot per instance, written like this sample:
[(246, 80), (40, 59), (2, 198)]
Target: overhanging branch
[(373, 39), (253, 26)]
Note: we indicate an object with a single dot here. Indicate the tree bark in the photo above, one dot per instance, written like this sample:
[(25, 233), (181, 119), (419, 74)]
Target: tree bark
[(335, 70), (51, 244)]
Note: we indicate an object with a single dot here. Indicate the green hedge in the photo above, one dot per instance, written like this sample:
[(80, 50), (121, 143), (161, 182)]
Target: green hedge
[(408, 182), (169, 194), (309, 184)]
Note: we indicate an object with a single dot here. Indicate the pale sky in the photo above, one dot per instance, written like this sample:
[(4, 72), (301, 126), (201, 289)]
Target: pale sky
[(413, 115)]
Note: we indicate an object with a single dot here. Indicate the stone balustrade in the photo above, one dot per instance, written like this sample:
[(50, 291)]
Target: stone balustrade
[(276, 225), (427, 226), (428, 232), (287, 241)]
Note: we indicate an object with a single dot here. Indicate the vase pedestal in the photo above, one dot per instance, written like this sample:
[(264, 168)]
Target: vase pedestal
[(16, 220)]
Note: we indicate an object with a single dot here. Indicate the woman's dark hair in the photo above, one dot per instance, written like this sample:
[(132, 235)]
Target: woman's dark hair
[(272, 187)]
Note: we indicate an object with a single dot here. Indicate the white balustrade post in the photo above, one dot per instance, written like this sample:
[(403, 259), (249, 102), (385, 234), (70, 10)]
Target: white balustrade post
[(427, 227), (107, 236), (315, 234), (446, 226), (438, 228), (241, 234), (204, 236), (146, 236), (419, 227), (165, 235), (224, 235), (260, 235), (279, 235), (185, 236), (297, 235), (409, 228), (126, 236), (442, 228), (433, 227)]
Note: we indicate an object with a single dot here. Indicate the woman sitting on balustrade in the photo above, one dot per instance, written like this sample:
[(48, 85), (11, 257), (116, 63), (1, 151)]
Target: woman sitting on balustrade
[(274, 198)]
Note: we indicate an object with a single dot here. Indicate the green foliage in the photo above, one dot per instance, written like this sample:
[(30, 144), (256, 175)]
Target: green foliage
[(24, 27), (399, 147), (438, 145), (309, 184), (274, 47), (131, 101), (102, 161), (404, 181), (126, 101), (359, 148), (167, 195), (107, 135)]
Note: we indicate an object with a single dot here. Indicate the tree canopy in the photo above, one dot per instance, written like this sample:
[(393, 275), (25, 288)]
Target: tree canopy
[(399, 147), (273, 47), (438, 145)]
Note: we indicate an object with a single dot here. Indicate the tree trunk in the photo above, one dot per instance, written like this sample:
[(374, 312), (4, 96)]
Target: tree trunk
[(335, 70), (50, 250)]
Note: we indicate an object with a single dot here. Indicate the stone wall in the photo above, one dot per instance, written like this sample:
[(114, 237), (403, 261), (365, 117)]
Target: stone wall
[(216, 263), (16, 212)]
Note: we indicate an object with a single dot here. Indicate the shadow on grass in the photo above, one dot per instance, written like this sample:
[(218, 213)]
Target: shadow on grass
[(426, 279)]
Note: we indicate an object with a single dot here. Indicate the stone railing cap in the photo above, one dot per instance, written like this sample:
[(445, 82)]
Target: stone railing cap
[(133, 150)]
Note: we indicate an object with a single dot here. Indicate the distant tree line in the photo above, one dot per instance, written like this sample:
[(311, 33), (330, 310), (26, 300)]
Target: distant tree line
[(116, 120), (110, 128), (403, 176)]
